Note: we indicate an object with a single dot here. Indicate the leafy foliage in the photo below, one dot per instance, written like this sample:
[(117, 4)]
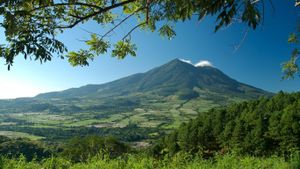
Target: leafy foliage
[(31, 26), (124, 48), (291, 68), (80, 58), (167, 31), (97, 45)]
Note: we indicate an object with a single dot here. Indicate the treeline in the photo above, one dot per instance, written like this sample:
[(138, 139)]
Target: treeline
[(68, 106), (77, 149), (130, 133), (267, 126)]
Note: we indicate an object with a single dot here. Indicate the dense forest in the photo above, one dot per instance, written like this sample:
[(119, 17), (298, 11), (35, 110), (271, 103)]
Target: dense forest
[(263, 133), (263, 127)]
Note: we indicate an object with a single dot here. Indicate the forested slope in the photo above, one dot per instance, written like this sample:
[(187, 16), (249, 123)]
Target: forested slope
[(262, 127)]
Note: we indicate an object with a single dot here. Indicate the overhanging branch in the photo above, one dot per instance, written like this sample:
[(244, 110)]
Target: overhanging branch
[(102, 10), (134, 28), (65, 4), (122, 21)]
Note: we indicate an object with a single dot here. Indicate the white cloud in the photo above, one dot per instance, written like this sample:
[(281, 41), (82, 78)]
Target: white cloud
[(203, 63), (186, 61)]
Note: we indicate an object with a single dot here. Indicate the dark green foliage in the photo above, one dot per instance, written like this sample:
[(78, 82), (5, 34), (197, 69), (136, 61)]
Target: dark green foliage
[(3, 139), (187, 94), (261, 127), (81, 149), (22, 147)]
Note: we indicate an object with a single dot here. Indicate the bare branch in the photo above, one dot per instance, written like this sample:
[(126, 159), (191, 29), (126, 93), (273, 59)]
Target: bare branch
[(245, 34), (90, 32), (134, 28), (122, 21), (272, 5)]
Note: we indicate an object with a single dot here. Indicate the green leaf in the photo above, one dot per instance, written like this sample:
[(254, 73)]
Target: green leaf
[(105, 18), (98, 45), (290, 68), (293, 38), (80, 58), (132, 7), (124, 48), (167, 31)]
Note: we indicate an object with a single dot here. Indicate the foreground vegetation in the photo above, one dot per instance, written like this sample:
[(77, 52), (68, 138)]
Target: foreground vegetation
[(94, 152), (179, 161)]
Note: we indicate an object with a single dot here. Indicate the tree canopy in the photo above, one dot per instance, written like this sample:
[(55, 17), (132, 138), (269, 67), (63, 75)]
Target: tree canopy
[(31, 26), (261, 127)]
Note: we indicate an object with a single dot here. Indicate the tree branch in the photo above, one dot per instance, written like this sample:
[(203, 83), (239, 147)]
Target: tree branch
[(245, 34), (122, 21), (134, 28), (102, 10), (65, 4)]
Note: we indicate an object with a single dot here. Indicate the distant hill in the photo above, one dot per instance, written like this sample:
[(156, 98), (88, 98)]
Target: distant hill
[(174, 78)]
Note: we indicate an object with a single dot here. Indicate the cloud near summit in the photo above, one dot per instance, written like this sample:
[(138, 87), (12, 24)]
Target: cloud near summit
[(186, 61), (201, 63)]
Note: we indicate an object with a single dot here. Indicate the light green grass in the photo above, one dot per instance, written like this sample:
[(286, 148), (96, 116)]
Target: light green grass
[(81, 123), (12, 134)]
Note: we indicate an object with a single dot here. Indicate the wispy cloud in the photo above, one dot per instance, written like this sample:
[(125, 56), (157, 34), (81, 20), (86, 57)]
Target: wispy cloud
[(203, 63), (186, 61)]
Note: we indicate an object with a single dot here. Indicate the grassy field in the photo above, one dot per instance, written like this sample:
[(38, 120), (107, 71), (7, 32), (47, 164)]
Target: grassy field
[(12, 134), (160, 115)]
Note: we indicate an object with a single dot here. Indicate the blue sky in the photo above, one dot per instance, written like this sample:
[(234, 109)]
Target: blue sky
[(256, 62)]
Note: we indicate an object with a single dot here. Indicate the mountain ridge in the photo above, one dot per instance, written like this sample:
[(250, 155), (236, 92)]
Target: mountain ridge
[(174, 76)]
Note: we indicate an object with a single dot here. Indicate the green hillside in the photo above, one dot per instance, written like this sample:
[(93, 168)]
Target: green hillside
[(141, 107)]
